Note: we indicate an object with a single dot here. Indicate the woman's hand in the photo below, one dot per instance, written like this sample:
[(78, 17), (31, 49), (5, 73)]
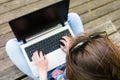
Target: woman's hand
[(67, 43), (41, 63)]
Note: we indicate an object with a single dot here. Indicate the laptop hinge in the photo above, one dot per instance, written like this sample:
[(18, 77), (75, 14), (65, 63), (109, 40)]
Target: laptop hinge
[(62, 23), (39, 34), (24, 41)]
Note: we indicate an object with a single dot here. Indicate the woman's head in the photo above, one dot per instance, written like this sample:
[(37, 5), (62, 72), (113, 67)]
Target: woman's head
[(93, 57)]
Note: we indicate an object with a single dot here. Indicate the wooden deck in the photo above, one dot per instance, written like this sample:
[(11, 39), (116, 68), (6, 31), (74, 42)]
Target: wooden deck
[(96, 15)]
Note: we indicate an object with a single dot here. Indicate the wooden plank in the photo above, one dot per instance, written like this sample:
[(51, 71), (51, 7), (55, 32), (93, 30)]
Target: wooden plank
[(14, 4), (5, 38), (11, 73), (108, 26), (27, 78), (117, 23), (119, 30), (111, 16), (115, 38), (5, 63), (8, 70), (4, 28), (24, 10), (92, 15), (3, 1), (6, 66), (3, 54), (89, 6), (76, 3)]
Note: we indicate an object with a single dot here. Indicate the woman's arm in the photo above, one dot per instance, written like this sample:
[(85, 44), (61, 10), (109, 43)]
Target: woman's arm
[(41, 63)]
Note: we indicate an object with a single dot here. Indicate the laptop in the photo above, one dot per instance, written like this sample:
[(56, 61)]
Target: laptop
[(41, 30)]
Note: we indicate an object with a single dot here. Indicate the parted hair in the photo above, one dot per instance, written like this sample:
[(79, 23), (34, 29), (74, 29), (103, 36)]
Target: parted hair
[(98, 59)]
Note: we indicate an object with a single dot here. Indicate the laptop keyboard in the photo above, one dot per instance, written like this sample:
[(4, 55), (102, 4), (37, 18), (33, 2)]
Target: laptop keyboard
[(47, 45)]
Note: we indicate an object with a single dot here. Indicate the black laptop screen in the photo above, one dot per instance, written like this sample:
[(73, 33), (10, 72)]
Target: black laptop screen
[(40, 20)]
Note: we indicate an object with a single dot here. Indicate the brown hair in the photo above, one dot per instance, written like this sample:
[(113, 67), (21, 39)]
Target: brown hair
[(98, 59)]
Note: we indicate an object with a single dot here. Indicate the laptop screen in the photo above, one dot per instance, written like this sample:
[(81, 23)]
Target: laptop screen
[(40, 20)]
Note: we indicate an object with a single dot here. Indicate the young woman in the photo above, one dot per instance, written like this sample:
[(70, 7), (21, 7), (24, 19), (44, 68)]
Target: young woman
[(88, 57), (14, 52)]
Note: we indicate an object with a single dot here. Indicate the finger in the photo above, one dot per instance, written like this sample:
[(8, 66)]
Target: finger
[(63, 42), (36, 55), (62, 47), (66, 38), (33, 59), (63, 38), (41, 55), (45, 58)]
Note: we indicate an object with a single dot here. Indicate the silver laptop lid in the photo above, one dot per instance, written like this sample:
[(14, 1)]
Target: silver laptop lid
[(40, 20)]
